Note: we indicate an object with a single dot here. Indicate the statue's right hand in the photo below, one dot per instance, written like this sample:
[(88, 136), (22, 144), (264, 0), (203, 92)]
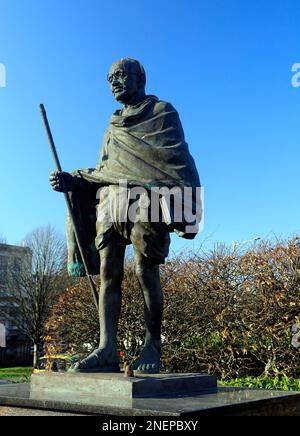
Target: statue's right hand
[(61, 181)]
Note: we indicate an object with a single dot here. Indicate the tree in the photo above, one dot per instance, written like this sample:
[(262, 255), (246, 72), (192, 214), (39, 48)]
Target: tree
[(35, 283)]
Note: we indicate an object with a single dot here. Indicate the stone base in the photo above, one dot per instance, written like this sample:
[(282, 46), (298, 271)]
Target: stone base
[(116, 389), (17, 399)]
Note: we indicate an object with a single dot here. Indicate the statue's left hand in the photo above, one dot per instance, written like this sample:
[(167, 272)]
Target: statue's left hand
[(61, 181)]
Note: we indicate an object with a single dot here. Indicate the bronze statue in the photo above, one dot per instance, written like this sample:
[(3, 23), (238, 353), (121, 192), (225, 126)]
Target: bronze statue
[(143, 147)]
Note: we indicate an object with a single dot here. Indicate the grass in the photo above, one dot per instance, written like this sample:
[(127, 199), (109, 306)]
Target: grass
[(19, 374), (279, 383)]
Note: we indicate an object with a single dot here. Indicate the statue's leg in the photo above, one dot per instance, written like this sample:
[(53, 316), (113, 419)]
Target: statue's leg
[(106, 358), (148, 275), (111, 276)]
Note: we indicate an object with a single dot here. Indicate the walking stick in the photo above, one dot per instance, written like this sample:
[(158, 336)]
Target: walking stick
[(70, 209)]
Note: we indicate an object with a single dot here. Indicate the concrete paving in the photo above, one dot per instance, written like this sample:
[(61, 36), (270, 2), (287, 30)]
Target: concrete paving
[(17, 411)]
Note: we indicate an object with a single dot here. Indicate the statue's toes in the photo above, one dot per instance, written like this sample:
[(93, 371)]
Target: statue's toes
[(78, 367), (148, 368), (85, 365), (96, 362)]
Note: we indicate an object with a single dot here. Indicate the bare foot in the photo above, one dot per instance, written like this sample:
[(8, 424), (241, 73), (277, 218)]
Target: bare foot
[(100, 360), (149, 361)]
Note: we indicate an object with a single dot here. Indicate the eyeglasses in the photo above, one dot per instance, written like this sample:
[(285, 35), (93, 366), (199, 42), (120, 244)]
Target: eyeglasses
[(120, 75)]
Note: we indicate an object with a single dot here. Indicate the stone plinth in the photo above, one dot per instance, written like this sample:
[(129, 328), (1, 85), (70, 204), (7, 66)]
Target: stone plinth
[(115, 389)]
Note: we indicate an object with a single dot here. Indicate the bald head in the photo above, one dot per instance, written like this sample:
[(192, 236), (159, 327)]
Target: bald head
[(131, 66), (127, 80)]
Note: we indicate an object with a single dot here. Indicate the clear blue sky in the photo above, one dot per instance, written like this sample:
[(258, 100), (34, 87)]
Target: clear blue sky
[(224, 64)]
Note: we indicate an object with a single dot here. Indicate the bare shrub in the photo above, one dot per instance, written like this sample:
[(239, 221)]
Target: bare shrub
[(226, 313)]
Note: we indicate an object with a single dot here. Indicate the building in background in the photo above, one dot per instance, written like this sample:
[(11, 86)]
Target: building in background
[(2, 336), (14, 348)]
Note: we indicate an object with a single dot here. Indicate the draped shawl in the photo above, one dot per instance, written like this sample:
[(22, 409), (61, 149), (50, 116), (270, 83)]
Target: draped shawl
[(145, 146)]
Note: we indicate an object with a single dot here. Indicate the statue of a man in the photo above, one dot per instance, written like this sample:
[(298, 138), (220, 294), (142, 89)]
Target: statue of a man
[(143, 146)]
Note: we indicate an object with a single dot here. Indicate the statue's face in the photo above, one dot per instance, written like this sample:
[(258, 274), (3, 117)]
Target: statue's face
[(124, 82)]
